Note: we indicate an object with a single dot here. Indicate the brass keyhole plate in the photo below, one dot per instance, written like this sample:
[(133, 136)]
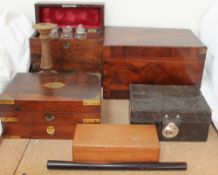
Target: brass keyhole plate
[(50, 130)]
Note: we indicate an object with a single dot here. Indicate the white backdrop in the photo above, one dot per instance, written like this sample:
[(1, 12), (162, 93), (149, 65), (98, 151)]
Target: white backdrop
[(142, 13)]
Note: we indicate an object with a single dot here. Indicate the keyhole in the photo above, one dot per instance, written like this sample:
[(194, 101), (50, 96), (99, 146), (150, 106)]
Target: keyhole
[(66, 45)]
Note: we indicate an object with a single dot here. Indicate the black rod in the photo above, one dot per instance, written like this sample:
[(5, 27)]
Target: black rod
[(67, 165)]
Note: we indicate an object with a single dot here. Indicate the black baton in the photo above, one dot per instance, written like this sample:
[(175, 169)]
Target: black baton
[(68, 165)]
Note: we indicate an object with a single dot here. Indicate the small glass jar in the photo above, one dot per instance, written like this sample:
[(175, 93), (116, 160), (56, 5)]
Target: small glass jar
[(80, 32), (54, 33), (67, 32)]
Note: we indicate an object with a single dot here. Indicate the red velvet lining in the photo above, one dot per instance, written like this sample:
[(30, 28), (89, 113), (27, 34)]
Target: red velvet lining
[(89, 17)]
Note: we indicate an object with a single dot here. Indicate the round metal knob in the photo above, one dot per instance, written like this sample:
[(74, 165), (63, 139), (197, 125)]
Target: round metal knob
[(50, 130), (49, 117), (170, 131)]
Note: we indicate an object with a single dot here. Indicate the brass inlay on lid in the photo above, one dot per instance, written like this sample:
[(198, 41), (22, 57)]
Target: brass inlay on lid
[(54, 85)]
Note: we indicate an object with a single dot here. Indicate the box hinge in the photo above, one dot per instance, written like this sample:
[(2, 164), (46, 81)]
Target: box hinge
[(203, 50), (8, 119), (92, 102), (7, 101), (91, 121)]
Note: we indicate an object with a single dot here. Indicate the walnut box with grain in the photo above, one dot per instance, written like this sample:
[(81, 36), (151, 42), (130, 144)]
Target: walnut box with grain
[(150, 56)]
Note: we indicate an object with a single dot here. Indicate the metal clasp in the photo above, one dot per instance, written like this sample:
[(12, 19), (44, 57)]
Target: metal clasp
[(170, 127)]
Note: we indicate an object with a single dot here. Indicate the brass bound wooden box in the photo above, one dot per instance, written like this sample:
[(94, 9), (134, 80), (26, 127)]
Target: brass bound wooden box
[(49, 105)]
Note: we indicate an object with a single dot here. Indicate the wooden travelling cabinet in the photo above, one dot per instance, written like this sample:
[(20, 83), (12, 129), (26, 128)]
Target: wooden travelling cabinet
[(180, 113), (48, 106), (150, 56), (71, 54)]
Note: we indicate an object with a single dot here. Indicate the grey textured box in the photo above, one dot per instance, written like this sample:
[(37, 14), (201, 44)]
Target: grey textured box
[(180, 112)]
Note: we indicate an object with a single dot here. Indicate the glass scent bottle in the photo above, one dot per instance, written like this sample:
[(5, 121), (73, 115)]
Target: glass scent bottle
[(54, 33), (80, 32), (67, 32)]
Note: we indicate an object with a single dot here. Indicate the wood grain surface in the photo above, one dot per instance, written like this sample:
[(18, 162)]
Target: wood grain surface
[(70, 54), (110, 143), (39, 87), (164, 37), (150, 56)]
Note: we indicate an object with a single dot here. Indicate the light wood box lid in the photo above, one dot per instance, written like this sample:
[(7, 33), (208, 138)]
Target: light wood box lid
[(108, 143)]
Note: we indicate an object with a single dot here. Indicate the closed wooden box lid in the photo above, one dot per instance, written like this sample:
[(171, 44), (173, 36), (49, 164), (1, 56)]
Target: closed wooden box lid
[(51, 92), (105, 143), (53, 87), (150, 37)]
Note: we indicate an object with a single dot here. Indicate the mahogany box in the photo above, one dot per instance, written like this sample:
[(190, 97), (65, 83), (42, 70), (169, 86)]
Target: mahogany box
[(48, 106), (71, 54), (115, 143), (150, 56), (179, 112)]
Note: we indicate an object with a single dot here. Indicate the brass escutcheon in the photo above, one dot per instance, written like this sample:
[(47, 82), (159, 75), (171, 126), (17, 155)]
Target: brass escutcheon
[(50, 130)]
